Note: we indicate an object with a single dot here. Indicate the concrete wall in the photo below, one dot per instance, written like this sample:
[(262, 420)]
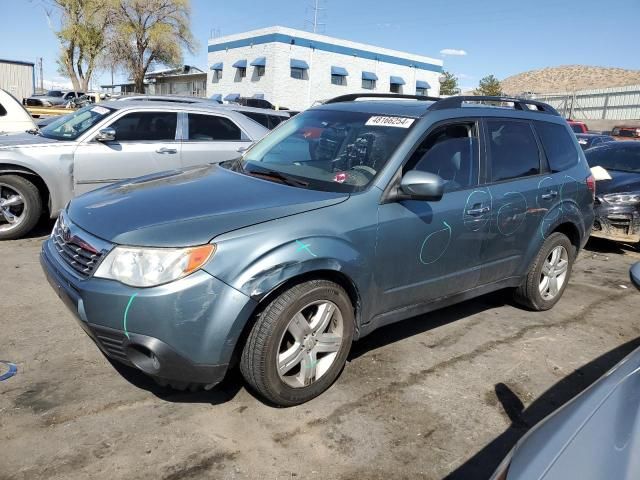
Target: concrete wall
[(17, 78), (280, 88)]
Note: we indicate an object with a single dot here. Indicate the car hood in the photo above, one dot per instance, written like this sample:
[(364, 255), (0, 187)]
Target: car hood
[(595, 436), (620, 182), (189, 207), (24, 139)]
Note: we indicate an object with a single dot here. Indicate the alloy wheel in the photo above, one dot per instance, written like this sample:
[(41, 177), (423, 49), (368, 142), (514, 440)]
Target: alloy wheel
[(554, 272), (13, 209)]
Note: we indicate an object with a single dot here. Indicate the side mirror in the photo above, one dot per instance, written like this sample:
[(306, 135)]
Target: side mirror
[(106, 135), (634, 273), (419, 185)]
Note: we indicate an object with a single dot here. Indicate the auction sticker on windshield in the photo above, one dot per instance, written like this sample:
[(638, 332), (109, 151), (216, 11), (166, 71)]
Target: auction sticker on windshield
[(400, 122)]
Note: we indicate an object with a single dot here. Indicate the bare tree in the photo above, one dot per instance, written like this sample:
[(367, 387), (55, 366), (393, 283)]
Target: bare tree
[(147, 32), (83, 30)]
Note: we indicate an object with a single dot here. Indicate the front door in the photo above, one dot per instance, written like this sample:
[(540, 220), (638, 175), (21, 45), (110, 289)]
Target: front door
[(145, 143), (212, 139), (428, 250)]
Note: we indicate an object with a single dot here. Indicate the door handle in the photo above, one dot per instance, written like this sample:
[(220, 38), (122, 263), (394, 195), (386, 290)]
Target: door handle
[(550, 195), (478, 211), (165, 150)]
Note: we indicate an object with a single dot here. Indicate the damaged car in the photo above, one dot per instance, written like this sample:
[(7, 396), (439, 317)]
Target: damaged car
[(617, 204)]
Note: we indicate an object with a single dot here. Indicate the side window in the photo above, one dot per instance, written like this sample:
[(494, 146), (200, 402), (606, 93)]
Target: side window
[(146, 126), (513, 150), (451, 151), (261, 118), (212, 128), (558, 146), (3, 111)]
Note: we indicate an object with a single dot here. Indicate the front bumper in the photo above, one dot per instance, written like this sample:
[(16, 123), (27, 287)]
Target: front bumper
[(185, 331), (617, 223)]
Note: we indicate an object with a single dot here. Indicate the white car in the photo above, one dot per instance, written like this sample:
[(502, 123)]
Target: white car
[(13, 116)]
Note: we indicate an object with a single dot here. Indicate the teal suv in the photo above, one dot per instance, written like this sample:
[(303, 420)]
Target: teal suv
[(352, 215)]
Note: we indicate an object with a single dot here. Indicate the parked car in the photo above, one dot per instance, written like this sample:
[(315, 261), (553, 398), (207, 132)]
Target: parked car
[(13, 116), (166, 98), (626, 132), (42, 170), (52, 98), (588, 140), (617, 205), (634, 274), (578, 127), (350, 216), (593, 437)]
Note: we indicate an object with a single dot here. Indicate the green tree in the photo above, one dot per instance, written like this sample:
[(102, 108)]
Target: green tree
[(148, 32), (449, 84), (489, 86), (83, 28)]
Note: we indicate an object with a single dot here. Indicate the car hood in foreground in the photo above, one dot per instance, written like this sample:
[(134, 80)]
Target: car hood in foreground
[(620, 182), (595, 436), (189, 207)]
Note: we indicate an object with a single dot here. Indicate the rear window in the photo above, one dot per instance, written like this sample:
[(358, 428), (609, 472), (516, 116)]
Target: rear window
[(576, 127), (558, 146)]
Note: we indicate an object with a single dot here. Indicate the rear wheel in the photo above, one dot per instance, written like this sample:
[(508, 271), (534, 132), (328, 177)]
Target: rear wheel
[(549, 274), (20, 206), (299, 343)]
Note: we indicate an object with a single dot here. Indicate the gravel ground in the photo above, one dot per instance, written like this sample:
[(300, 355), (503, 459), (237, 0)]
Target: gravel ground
[(435, 396)]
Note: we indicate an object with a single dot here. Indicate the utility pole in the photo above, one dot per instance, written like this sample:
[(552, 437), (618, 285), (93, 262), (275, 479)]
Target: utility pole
[(317, 10), (41, 75)]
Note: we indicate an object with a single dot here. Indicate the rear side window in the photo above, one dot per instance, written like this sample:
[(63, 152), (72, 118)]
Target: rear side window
[(3, 111), (212, 128), (261, 118), (558, 146), (146, 126), (513, 150)]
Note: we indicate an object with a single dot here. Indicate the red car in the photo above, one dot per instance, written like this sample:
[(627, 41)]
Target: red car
[(626, 132), (578, 127)]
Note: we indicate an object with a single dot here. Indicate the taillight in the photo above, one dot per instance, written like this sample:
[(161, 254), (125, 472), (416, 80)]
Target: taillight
[(591, 185), (637, 132)]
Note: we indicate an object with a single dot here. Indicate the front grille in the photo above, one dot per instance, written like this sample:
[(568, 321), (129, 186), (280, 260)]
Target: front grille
[(75, 252), (112, 342)]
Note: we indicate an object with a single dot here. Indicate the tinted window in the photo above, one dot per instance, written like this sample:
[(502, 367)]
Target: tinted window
[(3, 111), (558, 146), (513, 151), (261, 118), (146, 126), (625, 158), (450, 152), (211, 127), (54, 93), (576, 127), (70, 127)]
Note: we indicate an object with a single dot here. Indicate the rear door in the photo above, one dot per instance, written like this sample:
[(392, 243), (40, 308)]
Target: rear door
[(211, 138), (514, 178), (145, 143)]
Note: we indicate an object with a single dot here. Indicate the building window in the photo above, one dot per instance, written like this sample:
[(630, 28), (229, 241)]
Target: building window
[(338, 80), (217, 75), (260, 71), (395, 88), (297, 73), (368, 84), (421, 91), (242, 72)]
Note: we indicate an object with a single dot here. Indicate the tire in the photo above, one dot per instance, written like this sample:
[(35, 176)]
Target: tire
[(317, 349), (14, 185), (534, 293)]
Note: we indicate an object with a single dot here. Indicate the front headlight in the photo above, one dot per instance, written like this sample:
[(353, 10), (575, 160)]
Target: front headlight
[(627, 198), (150, 267)]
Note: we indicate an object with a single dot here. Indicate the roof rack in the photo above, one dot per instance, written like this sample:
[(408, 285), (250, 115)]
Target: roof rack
[(518, 103), (354, 96)]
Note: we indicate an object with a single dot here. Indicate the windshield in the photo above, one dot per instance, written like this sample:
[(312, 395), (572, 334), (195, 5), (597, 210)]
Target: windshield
[(70, 127), (625, 159), (326, 150)]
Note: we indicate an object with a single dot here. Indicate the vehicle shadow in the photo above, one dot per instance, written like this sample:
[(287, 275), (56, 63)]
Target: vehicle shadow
[(42, 229), (221, 393), (483, 463), (429, 321), (602, 245)]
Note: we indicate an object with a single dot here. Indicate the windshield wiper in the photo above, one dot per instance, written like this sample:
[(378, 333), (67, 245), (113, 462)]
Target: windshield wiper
[(275, 175)]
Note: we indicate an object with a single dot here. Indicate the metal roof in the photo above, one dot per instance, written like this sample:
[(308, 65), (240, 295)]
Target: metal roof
[(16, 62)]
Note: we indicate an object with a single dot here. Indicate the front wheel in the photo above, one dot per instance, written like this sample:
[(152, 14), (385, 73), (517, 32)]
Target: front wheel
[(548, 275), (20, 206), (299, 343)]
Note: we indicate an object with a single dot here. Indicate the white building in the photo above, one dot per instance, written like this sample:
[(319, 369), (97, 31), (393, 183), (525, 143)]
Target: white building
[(17, 78), (294, 68)]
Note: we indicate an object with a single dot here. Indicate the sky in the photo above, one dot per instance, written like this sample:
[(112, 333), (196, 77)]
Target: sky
[(474, 38)]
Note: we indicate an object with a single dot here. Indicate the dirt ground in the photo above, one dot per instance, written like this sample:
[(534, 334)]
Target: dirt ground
[(436, 396)]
